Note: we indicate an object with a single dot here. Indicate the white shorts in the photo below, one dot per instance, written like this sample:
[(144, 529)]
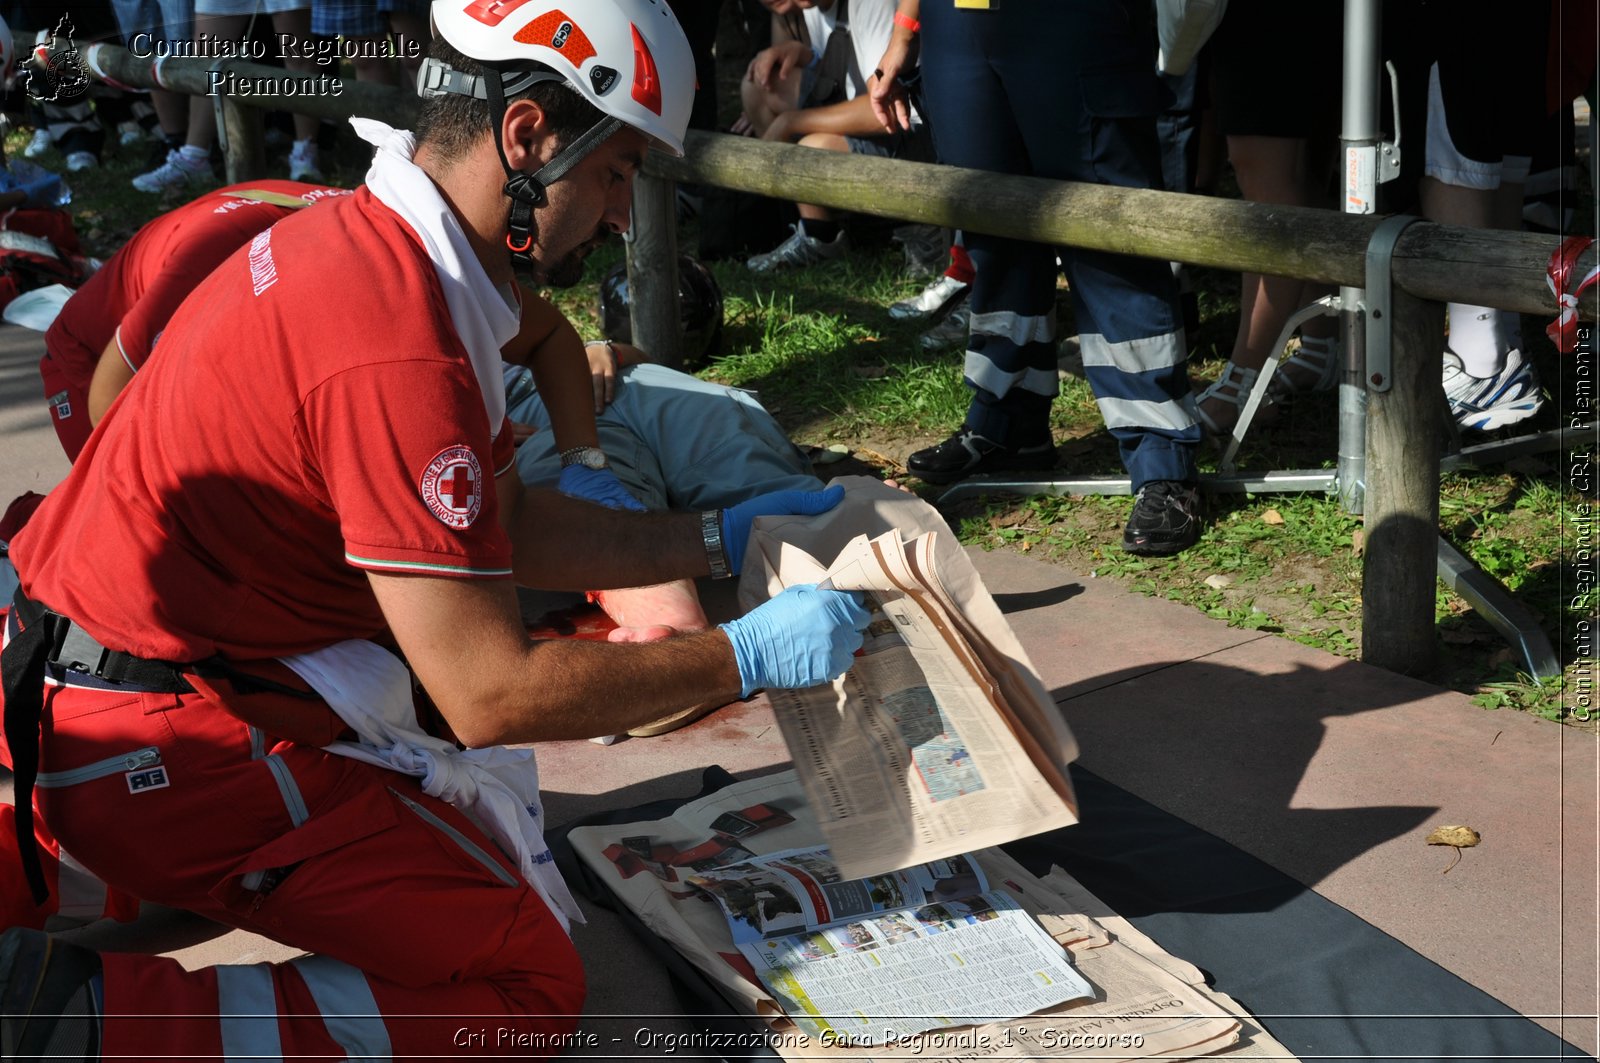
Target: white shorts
[(1443, 161)]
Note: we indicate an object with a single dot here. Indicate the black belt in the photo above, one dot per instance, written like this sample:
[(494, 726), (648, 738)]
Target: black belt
[(41, 640)]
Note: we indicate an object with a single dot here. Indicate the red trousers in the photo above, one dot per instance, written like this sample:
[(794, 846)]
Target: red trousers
[(420, 926)]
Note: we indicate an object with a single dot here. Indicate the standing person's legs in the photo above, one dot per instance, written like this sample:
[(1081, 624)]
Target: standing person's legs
[(359, 22), (1010, 361), (408, 22), (295, 23), (1129, 320), (167, 21)]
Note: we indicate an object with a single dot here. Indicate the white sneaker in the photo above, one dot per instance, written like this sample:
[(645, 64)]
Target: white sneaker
[(953, 331), (1482, 404), (81, 160), (940, 293), (176, 172), (42, 142), (303, 162), (799, 250)]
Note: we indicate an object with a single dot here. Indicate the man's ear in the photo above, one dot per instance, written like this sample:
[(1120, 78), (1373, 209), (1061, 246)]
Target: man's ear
[(525, 133)]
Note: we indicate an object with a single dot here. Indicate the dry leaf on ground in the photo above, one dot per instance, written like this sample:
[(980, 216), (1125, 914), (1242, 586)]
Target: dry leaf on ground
[(1464, 837)]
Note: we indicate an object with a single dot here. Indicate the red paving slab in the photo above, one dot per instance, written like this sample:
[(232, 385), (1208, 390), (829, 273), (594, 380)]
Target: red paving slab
[(1335, 772)]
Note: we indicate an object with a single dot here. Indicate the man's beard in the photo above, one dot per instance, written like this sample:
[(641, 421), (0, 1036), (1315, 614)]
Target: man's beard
[(567, 272)]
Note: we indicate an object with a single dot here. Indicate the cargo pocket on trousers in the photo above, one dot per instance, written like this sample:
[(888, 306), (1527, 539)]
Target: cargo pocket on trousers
[(1120, 105), (247, 889)]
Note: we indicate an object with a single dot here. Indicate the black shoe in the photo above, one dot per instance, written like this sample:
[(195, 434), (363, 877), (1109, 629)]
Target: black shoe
[(50, 998), (1165, 519), (966, 453)]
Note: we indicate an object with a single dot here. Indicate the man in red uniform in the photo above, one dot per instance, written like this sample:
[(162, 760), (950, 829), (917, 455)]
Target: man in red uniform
[(210, 558), (105, 331)]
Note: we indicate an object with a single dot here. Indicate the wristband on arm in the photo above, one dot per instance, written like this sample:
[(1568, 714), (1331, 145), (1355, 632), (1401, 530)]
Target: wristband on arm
[(716, 553), (907, 22)]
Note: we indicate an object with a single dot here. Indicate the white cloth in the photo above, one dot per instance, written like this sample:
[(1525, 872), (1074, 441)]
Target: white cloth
[(37, 309), (498, 787), (486, 317), (871, 25)]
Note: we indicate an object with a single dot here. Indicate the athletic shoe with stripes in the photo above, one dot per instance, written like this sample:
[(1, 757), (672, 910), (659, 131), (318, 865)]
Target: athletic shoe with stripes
[(1482, 404)]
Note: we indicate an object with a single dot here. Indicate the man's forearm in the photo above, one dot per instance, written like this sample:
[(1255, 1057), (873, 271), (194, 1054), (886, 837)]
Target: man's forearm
[(563, 543)]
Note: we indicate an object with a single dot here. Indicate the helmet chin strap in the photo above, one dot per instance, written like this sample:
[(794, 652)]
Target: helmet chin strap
[(527, 191)]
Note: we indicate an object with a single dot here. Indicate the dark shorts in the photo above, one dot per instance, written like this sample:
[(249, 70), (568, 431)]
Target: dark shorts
[(1276, 68)]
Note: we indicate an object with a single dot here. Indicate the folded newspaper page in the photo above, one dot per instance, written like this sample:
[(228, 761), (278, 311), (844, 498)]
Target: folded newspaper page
[(940, 739), (1144, 1004), (859, 960)]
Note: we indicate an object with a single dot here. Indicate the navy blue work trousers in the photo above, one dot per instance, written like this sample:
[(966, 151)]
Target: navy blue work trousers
[(1064, 89)]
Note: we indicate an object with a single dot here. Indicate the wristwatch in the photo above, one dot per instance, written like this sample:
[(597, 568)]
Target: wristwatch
[(588, 457)]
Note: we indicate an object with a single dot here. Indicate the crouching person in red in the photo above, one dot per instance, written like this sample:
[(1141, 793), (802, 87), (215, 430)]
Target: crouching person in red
[(205, 705)]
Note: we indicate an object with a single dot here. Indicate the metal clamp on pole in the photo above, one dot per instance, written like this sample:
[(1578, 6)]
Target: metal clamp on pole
[(1379, 299)]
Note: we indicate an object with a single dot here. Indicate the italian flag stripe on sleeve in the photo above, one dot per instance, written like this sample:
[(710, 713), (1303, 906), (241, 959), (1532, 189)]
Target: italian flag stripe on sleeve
[(422, 566)]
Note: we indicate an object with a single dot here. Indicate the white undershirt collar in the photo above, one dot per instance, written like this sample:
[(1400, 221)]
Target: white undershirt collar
[(485, 316)]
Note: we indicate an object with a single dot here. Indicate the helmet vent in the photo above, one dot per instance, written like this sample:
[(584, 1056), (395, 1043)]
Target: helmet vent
[(646, 81), (493, 12)]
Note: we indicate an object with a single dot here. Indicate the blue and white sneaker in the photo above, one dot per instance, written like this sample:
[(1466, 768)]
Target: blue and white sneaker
[(1482, 404)]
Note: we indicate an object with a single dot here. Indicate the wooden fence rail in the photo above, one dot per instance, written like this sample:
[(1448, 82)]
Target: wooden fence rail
[(1431, 264)]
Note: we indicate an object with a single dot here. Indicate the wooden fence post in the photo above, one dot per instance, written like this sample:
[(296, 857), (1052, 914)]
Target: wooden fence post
[(1399, 569), (653, 271), (244, 152)]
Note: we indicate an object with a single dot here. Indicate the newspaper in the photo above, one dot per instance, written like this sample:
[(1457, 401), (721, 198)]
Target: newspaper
[(1145, 1003), (859, 961), (940, 739)]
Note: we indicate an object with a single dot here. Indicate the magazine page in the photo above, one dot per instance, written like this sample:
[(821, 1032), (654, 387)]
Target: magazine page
[(914, 754), (895, 974), (803, 889)]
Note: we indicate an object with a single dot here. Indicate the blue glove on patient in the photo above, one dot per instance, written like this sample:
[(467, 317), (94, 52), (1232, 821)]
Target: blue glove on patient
[(600, 486), (803, 637), (736, 520)]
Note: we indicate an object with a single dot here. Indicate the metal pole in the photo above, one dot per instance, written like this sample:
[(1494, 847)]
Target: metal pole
[(653, 271), (1359, 135)]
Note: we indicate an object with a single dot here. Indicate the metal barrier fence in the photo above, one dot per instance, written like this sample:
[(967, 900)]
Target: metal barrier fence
[(1408, 268)]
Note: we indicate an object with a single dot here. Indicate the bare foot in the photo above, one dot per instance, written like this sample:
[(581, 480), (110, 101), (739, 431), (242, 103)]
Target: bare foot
[(671, 605), (654, 633)]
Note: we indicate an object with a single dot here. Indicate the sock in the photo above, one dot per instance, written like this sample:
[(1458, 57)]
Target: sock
[(304, 148), (961, 268), (193, 157), (817, 229), (1482, 336)]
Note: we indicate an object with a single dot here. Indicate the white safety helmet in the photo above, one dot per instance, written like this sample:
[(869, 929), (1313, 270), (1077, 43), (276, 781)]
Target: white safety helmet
[(629, 58)]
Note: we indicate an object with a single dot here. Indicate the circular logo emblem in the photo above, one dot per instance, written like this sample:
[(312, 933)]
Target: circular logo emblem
[(452, 486)]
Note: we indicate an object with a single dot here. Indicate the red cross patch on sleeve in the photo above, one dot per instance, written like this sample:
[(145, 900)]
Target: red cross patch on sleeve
[(452, 486)]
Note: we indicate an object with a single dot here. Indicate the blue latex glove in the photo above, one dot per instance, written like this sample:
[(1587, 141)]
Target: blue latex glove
[(803, 637), (597, 485), (736, 520)]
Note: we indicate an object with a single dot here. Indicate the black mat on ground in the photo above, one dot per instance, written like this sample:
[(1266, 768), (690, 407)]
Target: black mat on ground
[(1323, 981)]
